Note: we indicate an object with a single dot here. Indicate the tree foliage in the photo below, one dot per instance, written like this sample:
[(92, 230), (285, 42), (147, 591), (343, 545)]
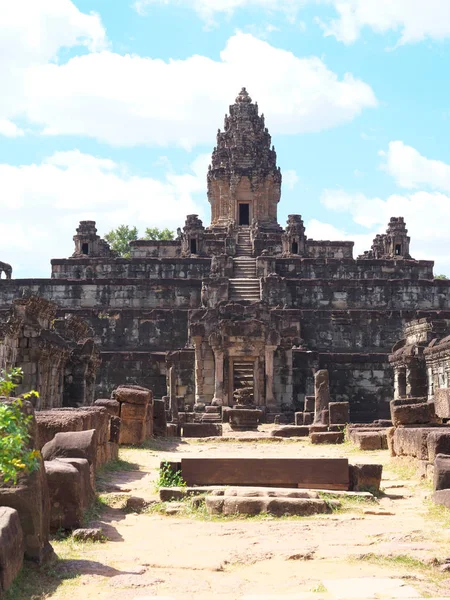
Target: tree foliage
[(15, 455), (120, 237), (441, 277), (153, 233)]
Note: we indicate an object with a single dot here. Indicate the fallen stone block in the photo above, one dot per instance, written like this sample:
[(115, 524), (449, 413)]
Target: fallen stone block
[(112, 406), (72, 444), (442, 497), (438, 442), (411, 441), (290, 431), (132, 394), (309, 473), (89, 535), (412, 412), (339, 413), (68, 499), (201, 430), (244, 419), (237, 505), (365, 478), (298, 419), (11, 547), (30, 497), (327, 437), (173, 430), (366, 440), (318, 428), (441, 472)]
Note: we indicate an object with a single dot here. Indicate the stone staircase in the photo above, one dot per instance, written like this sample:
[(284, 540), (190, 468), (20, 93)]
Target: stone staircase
[(244, 290), (242, 374), (244, 245), (244, 287)]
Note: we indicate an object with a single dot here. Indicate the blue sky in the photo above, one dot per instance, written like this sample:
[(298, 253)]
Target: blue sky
[(109, 111)]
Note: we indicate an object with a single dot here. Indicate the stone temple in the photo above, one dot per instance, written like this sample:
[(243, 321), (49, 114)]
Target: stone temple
[(242, 302)]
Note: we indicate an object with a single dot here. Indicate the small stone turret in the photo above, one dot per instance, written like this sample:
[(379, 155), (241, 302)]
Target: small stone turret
[(192, 236), (88, 243), (392, 244), (294, 238), (244, 182)]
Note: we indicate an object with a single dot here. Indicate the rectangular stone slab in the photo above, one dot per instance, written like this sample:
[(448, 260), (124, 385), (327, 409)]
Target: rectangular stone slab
[(318, 473)]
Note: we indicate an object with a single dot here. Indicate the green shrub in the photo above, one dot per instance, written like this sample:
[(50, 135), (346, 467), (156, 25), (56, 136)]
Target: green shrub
[(15, 455), (167, 477)]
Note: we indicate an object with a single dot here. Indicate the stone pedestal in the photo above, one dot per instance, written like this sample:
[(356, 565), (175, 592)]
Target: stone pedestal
[(244, 419)]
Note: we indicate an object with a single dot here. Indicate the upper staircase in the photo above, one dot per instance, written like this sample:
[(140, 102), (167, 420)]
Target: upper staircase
[(244, 286)]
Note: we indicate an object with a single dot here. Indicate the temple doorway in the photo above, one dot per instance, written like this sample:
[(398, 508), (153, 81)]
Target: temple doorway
[(244, 214), (243, 375)]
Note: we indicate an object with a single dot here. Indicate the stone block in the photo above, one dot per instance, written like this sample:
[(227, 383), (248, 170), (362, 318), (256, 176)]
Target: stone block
[(442, 497), (411, 441), (244, 419), (368, 440), (133, 412), (438, 442), (114, 429), (276, 506), (112, 406), (309, 473), (199, 430), (442, 402), (30, 498), (365, 478), (173, 430), (132, 394), (308, 418), (309, 404), (298, 419), (317, 428), (69, 494), (73, 444), (133, 432), (11, 547), (226, 414), (441, 472), (159, 418), (411, 412), (327, 437), (339, 413), (290, 431)]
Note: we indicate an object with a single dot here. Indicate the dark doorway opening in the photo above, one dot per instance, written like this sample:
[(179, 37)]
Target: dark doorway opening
[(294, 248), (398, 250), (244, 214), (193, 246), (85, 248)]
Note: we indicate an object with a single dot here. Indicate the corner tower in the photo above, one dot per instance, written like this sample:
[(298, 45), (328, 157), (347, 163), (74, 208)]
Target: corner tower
[(244, 182)]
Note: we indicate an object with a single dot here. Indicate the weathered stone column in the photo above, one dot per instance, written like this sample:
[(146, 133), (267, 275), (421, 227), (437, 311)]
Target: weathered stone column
[(198, 370), (173, 404), (321, 393), (218, 377), (270, 399)]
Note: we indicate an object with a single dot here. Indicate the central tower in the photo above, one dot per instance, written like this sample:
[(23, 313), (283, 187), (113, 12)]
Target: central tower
[(244, 182)]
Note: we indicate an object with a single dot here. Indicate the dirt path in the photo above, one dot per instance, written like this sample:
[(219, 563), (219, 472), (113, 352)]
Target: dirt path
[(325, 557)]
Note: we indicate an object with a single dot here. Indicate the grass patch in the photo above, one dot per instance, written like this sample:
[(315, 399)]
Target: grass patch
[(438, 513), (348, 503), (118, 465), (94, 512), (319, 589), (168, 477), (403, 468)]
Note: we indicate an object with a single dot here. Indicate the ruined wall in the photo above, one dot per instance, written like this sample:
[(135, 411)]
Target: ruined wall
[(136, 267), (363, 380)]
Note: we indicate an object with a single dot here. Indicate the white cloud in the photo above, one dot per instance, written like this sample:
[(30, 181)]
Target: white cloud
[(411, 170), (43, 203), (318, 230), (426, 214), (130, 100), (416, 20)]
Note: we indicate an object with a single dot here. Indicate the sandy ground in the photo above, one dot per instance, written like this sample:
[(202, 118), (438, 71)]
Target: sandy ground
[(152, 556)]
